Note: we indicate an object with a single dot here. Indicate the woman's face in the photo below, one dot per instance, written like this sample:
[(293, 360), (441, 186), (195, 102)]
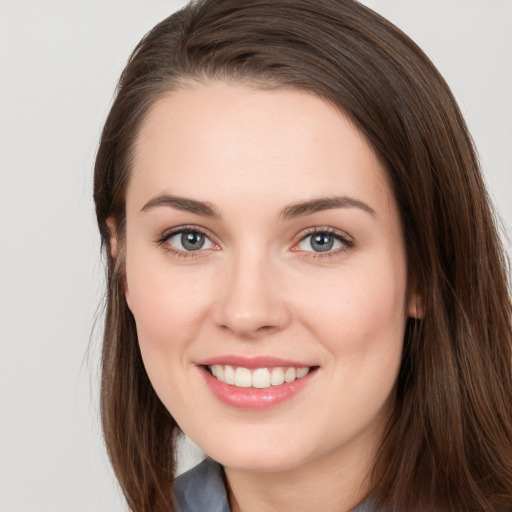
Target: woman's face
[(263, 242)]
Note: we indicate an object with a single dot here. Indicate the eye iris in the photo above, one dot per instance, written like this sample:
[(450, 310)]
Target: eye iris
[(322, 242), (192, 240)]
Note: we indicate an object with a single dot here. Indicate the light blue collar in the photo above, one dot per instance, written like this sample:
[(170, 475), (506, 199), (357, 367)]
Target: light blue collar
[(202, 489)]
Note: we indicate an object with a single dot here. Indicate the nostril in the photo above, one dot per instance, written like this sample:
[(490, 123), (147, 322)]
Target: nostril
[(266, 328)]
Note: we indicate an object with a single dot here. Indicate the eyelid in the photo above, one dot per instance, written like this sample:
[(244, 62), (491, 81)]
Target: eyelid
[(169, 233), (343, 237)]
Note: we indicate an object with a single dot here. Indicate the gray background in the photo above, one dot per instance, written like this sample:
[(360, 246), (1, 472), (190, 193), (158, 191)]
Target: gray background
[(59, 62)]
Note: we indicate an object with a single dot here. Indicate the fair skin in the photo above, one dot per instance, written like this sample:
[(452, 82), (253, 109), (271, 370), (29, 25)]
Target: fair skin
[(237, 274)]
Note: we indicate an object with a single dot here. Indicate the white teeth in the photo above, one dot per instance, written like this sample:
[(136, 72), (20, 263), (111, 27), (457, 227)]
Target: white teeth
[(277, 376), (302, 372), (243, 378), (290, 374), (229, 375), (220, 373), (260, 378)]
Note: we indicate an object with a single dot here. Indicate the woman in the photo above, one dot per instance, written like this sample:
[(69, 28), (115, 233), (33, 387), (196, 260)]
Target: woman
[(304, 275)]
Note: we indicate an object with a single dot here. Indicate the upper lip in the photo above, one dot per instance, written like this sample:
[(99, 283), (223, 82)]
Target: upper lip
[(253, 362)]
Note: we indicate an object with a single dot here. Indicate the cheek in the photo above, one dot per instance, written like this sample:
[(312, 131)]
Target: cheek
[(361, 314), (166, 306), (167, 313)]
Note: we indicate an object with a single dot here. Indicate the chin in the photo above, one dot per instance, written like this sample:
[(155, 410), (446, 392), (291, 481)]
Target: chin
[(249, 453), (258, 460)]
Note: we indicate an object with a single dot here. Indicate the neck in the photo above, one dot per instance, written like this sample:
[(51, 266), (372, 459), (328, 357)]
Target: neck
[(337, 482)]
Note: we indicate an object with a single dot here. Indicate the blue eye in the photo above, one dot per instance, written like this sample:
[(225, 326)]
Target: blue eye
[(192, 240), (323, 242), (187, 240)]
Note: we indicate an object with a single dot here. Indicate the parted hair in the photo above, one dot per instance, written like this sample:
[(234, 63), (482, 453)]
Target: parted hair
[(448, 443)]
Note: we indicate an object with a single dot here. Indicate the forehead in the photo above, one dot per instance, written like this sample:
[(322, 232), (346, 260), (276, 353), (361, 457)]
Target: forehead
[(224, 140)]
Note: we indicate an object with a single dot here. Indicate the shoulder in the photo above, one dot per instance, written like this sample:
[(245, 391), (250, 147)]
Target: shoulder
[(201, 488)]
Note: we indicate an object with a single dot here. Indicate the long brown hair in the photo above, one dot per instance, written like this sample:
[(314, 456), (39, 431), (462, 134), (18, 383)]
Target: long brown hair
[(448, 443)]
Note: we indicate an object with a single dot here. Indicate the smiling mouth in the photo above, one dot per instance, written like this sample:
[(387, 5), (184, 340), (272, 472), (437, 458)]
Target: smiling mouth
[(259, 378)]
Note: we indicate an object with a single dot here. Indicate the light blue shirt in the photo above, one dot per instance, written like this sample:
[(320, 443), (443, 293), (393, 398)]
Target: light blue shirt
[(202, 490)]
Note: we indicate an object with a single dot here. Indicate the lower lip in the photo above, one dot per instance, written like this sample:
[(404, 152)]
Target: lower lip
[(253, 398)]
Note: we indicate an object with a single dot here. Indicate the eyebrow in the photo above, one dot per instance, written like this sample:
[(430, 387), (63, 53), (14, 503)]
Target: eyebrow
[(325, 203), (183, 203), (300, 209)]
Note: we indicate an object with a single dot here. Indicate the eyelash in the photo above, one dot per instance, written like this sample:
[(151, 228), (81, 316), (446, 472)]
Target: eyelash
[(346, 242), (167, 235), (343, 238)]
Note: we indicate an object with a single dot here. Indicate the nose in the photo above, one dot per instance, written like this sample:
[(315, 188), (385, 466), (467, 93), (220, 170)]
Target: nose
[(251, 302)]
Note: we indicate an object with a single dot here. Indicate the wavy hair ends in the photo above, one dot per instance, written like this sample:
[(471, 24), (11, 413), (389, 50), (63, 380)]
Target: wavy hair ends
[(448, 442)]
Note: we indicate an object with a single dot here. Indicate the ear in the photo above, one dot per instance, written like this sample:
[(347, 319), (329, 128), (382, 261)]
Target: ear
[(113, 239), (415, 304), (117, 253)]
